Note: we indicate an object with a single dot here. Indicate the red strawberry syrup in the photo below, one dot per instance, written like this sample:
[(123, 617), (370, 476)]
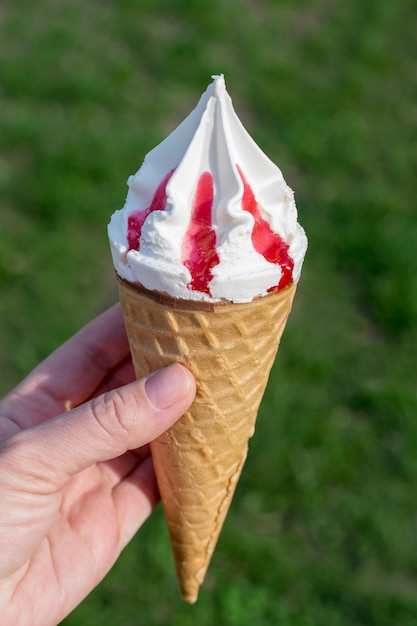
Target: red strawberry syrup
[(137, 218), (271, 245), (199, 254), (199, 244)]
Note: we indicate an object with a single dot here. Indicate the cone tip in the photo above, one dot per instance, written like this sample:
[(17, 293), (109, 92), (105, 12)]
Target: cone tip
[(190, 598), (189, 590)]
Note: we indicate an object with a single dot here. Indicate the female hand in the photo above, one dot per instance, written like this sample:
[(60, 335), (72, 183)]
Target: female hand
[(76, 476)]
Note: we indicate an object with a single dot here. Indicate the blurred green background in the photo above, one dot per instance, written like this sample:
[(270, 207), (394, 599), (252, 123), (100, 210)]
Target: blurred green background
[(323, 527)]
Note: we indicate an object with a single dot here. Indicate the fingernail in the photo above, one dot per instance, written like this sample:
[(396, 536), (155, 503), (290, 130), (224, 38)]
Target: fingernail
[(167, 386)]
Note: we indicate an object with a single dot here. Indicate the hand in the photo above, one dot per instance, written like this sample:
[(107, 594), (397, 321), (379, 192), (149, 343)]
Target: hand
[(76, 476)]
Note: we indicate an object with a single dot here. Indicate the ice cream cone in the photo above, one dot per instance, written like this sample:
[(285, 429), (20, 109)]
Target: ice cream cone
[(230, 348)]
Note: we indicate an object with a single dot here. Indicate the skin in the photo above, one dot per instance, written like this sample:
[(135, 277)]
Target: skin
[(76, 476)]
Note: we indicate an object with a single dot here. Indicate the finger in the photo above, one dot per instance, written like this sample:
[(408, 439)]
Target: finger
[(87, 357), (101, 429), (134, 498), (72, 373), (116, 470), (122, 375)]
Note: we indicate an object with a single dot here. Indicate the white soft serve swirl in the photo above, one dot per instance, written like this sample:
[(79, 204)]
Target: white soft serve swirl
[(211, 138)]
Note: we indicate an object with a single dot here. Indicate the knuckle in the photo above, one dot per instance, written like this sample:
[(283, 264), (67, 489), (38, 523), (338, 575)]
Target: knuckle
[(113, 414)]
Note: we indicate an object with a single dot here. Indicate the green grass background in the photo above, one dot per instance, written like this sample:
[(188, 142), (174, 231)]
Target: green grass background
[(323, 527)]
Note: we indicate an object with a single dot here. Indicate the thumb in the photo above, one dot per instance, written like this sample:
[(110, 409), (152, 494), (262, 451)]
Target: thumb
[(103, 428)]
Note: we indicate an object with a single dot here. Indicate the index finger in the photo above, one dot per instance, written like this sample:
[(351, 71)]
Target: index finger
[(72, 373)]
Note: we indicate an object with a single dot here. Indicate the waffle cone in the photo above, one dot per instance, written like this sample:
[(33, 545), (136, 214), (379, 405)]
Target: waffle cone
[(230, 348)]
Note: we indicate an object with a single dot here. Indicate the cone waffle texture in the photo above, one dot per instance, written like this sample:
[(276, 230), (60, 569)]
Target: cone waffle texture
[(230, 348)]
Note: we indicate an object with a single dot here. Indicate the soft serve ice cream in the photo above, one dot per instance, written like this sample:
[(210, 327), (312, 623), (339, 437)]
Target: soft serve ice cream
[(208, 216), (208, 253)]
